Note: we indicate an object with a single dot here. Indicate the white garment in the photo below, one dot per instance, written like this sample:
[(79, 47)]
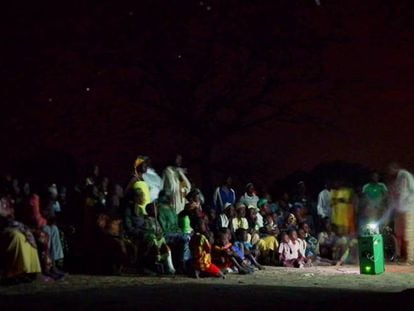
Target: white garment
[(284, 251), (176, 183), (294, 249), (302, 246), (402, 192), (324, 208), (259, 221), (224, 221), (249, 200), (154, 182)]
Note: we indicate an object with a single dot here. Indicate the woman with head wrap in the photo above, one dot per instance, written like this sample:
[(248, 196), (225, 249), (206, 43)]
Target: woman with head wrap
[(138, 183)]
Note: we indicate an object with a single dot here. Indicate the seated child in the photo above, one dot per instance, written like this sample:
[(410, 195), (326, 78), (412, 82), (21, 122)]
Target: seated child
[(311, 242), (240, 221), (201, 251), (304, 247), (270, 225), (226, 257), (289, 250), (326, 240), (298, 248), (246, 249)]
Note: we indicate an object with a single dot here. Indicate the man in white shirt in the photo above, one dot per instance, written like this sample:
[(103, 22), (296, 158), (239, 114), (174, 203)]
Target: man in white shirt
[(401, 206), (324, 208)]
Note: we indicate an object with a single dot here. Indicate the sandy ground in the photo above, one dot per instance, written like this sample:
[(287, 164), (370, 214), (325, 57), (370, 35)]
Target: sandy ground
[(315, 288)]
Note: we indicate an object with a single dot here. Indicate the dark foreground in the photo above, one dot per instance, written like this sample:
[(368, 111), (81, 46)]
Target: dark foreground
[(308, 289)]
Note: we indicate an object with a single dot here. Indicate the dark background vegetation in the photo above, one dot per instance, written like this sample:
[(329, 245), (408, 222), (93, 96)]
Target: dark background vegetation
[(259, 89)]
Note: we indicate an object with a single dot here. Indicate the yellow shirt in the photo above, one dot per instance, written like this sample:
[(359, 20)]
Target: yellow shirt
[(143, 186), (343, 213)]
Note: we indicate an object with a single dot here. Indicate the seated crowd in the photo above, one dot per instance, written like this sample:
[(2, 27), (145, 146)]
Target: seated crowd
[(161, 226)]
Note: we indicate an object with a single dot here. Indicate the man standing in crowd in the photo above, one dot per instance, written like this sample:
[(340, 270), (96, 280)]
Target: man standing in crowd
[(176, 183), (401, 206)]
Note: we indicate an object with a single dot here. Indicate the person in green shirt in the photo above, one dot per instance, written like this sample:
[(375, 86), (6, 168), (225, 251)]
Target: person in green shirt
[(374, 199), (157, 251), (178, 238)]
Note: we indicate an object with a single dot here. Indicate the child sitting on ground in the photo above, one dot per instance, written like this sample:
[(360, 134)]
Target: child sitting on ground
[(326, 240), (226, 257), (289, 255), (298, 248), (246, 249), (304, 247), (201, 251)]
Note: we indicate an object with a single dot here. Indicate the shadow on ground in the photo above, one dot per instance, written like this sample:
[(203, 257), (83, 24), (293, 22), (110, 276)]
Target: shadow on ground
[(206, 297)]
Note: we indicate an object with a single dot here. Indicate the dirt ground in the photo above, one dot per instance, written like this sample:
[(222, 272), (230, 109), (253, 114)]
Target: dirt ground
[(315, 288)]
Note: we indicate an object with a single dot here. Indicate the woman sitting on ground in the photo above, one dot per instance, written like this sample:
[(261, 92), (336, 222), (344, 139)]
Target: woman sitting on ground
[(18, 249)]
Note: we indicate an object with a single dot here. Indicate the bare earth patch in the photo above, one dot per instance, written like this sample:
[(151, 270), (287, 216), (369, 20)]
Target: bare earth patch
[(315, 287)]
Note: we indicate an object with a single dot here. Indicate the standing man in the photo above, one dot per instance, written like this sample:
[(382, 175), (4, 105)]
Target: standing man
[(374, 195), (401, 205), (324, 208), (176, 183), (224, 194)]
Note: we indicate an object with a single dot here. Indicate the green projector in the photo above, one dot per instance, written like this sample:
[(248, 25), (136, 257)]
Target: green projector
[(371, 254)]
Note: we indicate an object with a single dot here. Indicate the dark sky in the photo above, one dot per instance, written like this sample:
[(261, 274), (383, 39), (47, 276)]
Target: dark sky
[(98, 82)]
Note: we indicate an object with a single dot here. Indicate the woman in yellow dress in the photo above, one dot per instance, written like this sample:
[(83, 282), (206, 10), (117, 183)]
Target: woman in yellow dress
[(18, 250), (343, 210), (343, 202)]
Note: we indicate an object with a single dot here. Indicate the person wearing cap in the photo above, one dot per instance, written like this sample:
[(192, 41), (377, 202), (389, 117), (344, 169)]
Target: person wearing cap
[(138, 183), (176, 182), (225, 218), (249, 197)]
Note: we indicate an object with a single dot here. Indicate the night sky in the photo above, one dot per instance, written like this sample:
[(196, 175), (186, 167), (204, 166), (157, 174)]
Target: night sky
[(261, 88)]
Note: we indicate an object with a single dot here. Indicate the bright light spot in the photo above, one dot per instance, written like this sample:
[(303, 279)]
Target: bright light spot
[(373, 227), (208, 8), (50, 100), (88, 89), (367, 268), (179, 56)]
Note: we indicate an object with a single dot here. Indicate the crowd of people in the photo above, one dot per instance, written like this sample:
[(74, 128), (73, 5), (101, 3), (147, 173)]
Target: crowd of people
[(166, 225)]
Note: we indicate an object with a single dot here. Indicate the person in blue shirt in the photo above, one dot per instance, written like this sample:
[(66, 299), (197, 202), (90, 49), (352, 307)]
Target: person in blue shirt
[(224, 194)]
